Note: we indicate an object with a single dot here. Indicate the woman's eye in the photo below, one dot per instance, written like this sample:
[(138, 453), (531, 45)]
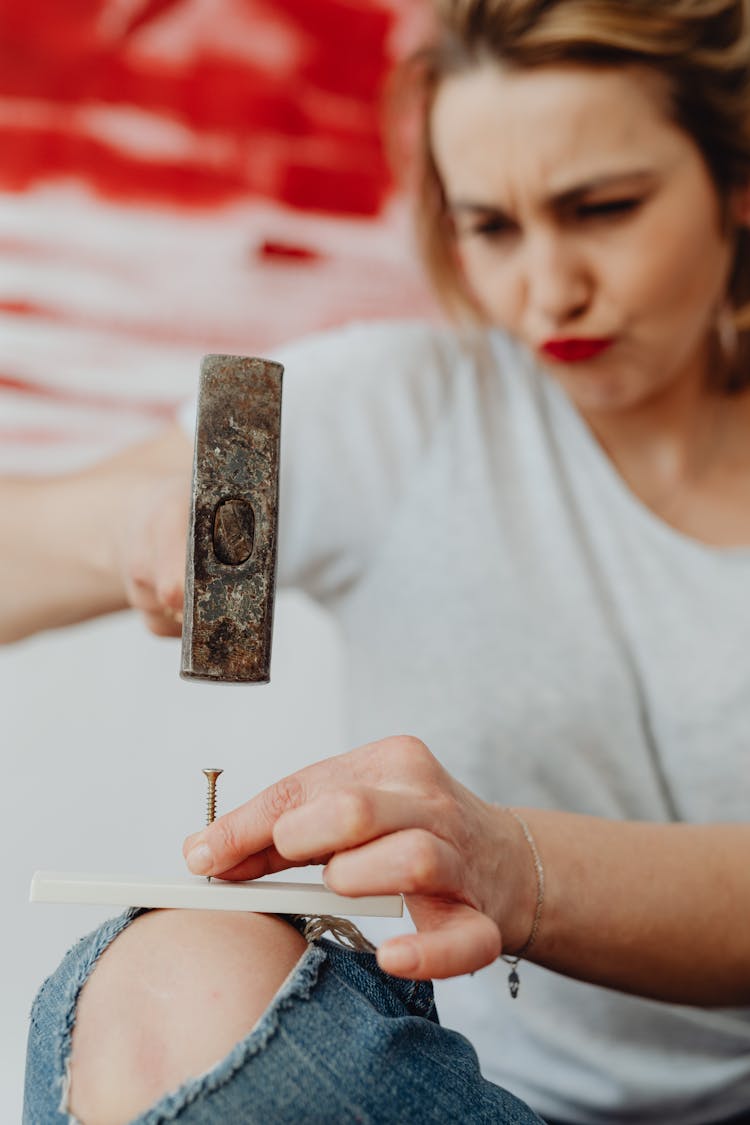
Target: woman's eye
[(491, 228), (611, 208)]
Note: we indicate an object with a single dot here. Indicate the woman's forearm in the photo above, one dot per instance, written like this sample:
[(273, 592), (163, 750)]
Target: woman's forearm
[(55, 565), (659, 910), (61, 537)]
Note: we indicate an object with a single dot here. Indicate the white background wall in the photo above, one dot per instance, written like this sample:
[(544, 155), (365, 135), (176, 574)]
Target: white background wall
[(103, 751)]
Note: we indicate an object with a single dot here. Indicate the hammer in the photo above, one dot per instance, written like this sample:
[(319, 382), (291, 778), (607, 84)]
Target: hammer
[(228, 617), (230, 570)]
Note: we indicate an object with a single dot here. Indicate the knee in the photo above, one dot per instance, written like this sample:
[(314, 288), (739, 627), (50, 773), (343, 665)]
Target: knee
[(167, 1000)]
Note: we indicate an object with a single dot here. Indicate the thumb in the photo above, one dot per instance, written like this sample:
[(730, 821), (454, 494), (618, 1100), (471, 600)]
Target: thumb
[(452, 938)]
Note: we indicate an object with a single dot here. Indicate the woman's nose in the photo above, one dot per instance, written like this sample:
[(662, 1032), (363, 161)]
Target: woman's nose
[(557, 281)]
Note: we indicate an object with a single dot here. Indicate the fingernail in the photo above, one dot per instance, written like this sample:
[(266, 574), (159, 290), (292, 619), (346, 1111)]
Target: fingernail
[(199, 859), (401, 958)]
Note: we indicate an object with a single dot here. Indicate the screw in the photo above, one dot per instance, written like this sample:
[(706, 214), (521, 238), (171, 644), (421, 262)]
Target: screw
[(211, 776)]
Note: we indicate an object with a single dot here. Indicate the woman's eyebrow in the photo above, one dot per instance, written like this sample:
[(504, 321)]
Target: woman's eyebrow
[(558, 199), (467, 207), (623, 180)]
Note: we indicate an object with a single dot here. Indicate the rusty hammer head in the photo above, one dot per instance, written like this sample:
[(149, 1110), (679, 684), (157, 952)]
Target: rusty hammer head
[(231, 551)]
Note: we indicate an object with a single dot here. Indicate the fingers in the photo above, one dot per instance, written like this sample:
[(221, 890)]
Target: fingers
[(153, 556), (451, 939), (413, 861), (266, 862), (164, 624), (453, 936), (330, 806), (308, 815), (159, 618), (239, 837), (341, 819)]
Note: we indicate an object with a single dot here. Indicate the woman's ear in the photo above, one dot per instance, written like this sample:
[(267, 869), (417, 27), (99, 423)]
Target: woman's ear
[(740, 205)]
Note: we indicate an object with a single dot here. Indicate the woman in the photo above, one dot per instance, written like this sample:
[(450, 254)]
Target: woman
[(533, 533)]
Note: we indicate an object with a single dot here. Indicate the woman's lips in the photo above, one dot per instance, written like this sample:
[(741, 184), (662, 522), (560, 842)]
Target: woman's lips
[(576, 350)]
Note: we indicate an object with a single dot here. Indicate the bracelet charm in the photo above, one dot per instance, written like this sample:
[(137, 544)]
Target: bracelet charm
[(514, 981)]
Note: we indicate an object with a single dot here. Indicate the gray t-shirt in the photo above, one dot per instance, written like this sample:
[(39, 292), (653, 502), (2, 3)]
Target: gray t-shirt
[(503, 596)]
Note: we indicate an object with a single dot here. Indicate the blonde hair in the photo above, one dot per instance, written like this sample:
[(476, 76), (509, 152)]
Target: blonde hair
[(702, 48)]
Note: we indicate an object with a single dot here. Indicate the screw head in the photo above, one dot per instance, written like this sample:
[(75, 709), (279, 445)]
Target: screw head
[(212, 774)]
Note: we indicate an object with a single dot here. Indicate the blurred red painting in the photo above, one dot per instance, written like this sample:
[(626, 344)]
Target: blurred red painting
[(181, 176)]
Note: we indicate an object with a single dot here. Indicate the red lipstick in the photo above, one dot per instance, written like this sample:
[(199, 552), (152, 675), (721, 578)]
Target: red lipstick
[(575, 350)]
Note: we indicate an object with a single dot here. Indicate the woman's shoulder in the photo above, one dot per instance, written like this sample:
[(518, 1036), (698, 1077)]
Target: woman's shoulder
[(403, 345), (401, 365), (397, 358), (384, 335)]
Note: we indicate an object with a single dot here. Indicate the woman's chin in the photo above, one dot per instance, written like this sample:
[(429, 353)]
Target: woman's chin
[(594, 390)]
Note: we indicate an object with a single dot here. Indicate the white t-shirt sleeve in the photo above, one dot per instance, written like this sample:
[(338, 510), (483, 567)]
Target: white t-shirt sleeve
[(359, 409)]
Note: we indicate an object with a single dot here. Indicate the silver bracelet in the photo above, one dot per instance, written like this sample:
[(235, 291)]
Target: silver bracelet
[(514, 981)]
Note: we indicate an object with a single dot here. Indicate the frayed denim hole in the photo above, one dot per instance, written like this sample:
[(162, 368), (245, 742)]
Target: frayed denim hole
[(69, 957), (65, 1096), (416, 995), (297, 986), (362, 957), (423, 1000), (410, 993), (100, 940), (39, 999), (42, 994)]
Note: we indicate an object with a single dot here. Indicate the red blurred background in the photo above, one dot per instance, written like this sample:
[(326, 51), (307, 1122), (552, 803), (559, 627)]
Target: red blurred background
[(182, 176)]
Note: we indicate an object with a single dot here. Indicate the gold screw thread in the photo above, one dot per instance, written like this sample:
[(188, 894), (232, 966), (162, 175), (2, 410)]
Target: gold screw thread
[(211, 776)]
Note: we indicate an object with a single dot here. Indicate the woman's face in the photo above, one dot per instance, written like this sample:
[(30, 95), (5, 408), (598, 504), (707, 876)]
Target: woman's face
[(586, 223)]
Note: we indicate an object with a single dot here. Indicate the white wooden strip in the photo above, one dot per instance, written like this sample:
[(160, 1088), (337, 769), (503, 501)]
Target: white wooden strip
[(194, 893)]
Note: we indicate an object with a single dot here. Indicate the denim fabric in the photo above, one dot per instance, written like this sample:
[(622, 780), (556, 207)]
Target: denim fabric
[(340, 1042)]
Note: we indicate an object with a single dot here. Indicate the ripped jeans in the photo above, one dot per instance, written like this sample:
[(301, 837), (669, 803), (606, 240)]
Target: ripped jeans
[(340, 1042)]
